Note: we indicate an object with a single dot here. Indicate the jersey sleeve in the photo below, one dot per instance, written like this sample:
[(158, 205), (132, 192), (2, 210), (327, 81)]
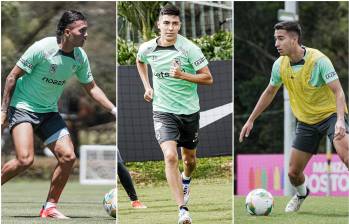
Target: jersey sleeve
[(141, 54), (31, 57), (275, 79), (327, 71), (84, 73), (197, 58)]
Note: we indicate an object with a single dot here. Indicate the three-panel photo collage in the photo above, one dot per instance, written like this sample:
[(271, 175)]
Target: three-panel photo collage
[(164, 112)]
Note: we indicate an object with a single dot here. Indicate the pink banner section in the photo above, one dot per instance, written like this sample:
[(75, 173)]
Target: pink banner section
[(267, 171)]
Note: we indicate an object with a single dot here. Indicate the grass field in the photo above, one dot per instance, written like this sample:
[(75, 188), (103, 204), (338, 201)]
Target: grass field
[(21, 203), (315, 210), (210, 202)]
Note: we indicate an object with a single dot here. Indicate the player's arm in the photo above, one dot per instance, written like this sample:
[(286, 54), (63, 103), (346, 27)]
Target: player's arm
[(10, 84), (98, 95), (264, 101), (203, 76), (337, 89), (143, 73)]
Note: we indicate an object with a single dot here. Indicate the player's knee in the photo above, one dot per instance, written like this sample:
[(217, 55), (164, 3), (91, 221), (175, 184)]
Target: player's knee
[(171, 158), (68, 158), (294, 174), (25, 161), (190, 160)]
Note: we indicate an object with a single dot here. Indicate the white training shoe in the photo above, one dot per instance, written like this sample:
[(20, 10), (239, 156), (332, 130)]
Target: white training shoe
[(184, 217), (295, 203)]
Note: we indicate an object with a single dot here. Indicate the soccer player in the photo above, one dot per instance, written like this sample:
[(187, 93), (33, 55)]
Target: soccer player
[(317, 101), (30, 97), (126, 182), (178, 66)]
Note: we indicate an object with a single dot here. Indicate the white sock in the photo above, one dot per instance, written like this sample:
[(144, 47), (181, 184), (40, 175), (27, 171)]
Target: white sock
[(185, 177), (49, 205), (301, 189)]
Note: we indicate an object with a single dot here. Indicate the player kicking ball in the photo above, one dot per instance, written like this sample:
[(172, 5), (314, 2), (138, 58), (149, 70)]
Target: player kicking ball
[(317, 101), (178, 66), (30, 97)]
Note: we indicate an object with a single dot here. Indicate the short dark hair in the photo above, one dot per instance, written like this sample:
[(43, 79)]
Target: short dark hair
[(169, 9), (290, 26), (67, 18)]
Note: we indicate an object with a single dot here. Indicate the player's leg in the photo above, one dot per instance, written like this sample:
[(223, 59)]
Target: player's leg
[(305, 145), (189, 161), (23, 139), (189, 165), (55, 135), (297, 164), (126, 182), (342, 148), (63, 150), (169, 149)]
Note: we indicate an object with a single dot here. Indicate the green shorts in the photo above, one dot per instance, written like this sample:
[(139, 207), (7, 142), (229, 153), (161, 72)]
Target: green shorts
[(308, 137)]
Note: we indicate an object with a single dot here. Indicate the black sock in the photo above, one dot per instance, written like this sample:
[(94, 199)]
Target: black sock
[(183, 207)]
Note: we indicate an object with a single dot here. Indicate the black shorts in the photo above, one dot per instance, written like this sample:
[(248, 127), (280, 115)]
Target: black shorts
[(308, 137), (48, 126), (184, 129)]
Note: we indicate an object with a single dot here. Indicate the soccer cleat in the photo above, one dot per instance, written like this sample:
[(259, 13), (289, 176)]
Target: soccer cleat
[(295, 203), (186, 190), (184, 217), (52, 213), (137, 204)]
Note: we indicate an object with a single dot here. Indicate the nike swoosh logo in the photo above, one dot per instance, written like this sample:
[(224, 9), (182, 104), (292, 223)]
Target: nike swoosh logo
[(210, 116)]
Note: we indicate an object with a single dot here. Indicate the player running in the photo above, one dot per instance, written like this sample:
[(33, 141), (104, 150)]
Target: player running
[(317, 101), (30, 97), (178, 66)]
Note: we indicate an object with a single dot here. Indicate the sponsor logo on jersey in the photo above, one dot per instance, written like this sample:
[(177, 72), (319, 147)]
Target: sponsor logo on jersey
[(331, 75), (162, 75), (53, 69), (26, 63), (53, 81), (200, 61)]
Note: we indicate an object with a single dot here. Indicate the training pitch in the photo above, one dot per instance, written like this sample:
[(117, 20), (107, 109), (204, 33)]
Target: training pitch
[(210, 202), (314, 210), (21, 203)]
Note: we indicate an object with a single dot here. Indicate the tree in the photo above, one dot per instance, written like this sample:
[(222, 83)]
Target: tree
[(142, 15)]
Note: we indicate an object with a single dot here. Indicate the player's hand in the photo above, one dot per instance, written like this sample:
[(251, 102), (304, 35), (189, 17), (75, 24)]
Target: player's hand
[(339, 129), (148, 95), (3, 119), (175, 69), (245, 131)]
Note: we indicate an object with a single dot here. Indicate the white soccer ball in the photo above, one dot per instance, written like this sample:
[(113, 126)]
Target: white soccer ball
[(259, 202), (109, 202)]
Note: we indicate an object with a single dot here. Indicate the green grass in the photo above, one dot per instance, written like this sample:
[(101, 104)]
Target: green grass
[(22, 200), (315, 210), (210, 202)]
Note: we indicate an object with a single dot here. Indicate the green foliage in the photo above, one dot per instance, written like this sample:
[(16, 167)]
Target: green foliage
[(215, 47), (127, 52), (142, 15), (218, 46), (152, 172)]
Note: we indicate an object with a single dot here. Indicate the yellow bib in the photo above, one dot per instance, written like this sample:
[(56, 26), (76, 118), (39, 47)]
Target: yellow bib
[(309, 104)]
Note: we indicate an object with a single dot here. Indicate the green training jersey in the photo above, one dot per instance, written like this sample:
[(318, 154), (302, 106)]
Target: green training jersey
[(322, 73), (173, 95), (47, 69)]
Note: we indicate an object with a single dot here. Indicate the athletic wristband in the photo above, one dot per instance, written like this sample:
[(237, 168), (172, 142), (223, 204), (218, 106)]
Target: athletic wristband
[(114, 111)]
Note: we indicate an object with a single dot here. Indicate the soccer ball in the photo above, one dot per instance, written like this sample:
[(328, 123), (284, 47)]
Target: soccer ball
[(259, 202), (109, 202)]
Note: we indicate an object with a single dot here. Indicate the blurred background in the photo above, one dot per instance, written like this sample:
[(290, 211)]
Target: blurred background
[(22, 24)]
